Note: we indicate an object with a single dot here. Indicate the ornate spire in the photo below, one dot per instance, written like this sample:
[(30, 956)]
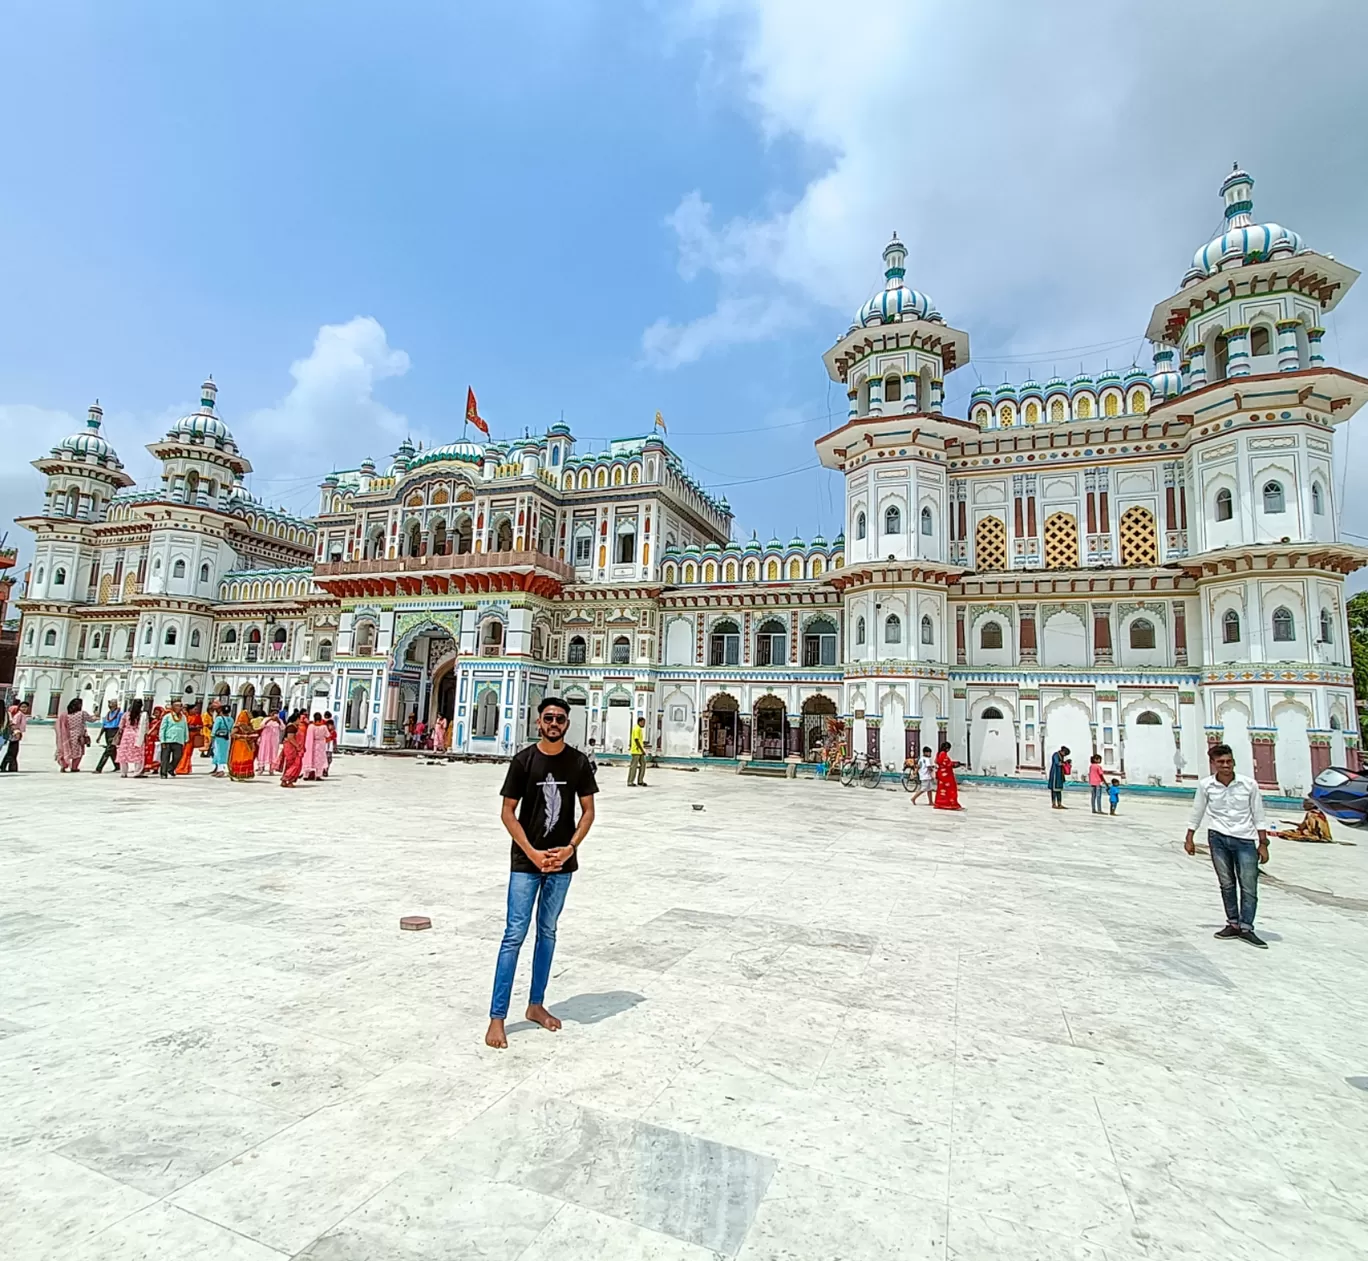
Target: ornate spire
[(895, 255), (1238, 192), (94, 417), (208, 393)]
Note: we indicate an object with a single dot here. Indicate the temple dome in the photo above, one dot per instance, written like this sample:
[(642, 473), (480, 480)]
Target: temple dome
[(88, 444), (896, 300), (1243, 240)]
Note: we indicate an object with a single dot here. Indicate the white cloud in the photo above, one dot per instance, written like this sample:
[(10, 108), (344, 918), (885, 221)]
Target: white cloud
[(332, 405), (1051, 168), (732, 322)]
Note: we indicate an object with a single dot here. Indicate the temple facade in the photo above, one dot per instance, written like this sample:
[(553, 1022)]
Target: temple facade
[(1137, 563)]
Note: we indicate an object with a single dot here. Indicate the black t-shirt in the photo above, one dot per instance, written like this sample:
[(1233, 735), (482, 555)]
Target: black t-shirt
[(548, 788)]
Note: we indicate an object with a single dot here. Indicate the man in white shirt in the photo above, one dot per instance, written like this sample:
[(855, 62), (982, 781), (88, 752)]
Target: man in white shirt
[(1238, 838)]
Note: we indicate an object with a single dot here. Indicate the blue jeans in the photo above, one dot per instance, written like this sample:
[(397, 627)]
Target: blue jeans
[(547, 890), (1098, 792), (1236, 859)]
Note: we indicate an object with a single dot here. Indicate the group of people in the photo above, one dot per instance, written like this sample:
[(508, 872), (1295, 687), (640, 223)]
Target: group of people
[(142, 739), (1061, 767), (936, 778), (418, 735)]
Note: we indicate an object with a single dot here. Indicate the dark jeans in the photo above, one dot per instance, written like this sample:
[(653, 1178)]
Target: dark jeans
[(547, 889), (1236, 861), (1099, 792), (170, 755), (111, 740), (11, 758)]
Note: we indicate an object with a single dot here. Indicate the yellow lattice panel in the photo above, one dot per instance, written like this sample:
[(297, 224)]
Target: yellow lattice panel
[(1061, 541), (1139, 539), (990, 544)]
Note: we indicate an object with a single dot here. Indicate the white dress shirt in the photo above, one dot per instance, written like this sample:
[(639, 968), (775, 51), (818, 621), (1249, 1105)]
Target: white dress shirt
[(1235, 809)]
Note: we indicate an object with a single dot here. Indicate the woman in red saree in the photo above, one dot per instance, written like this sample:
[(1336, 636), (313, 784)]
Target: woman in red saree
[(153, 735), (947, 789), (242, 749), (291, 756), (194, 725)]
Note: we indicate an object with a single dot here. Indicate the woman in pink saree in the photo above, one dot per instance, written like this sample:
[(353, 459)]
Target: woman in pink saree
[(132, 737), (268, 745), (72, 739), (316, 748)]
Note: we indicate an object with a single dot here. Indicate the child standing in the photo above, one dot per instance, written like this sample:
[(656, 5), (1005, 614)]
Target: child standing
[(1096, 781), (1114, 794), (926, 777)]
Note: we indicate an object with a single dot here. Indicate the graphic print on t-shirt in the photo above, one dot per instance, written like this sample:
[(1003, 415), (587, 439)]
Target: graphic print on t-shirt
[(551, 788)]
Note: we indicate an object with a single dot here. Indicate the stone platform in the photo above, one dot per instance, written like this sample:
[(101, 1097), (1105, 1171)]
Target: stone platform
[(806, 1022)]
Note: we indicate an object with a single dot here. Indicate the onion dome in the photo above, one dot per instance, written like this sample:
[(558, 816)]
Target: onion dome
[(1243, 240), (367, 466), (1029, 387), (712, 549), (1136, 375), (560, 428), (774, 545), (1081, 382), (1109, 377), (753, 544), (839, 541), (723, 505), (1055, 384), (465, 452), (980, 393), (88, 445), (1005, 390), (895, 301), (203, 427), (691, 550), (818, 540), (1166, 380), (796, 541), (330, 481)]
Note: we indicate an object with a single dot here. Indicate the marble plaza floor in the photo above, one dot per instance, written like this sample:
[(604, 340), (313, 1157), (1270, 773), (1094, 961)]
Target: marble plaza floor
[(805, 1022)]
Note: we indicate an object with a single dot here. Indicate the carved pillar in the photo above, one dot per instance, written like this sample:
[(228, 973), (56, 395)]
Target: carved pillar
[(1237, 351), (1314, 335), (1265, 770), (912, 738), (1102, 636), (795, 736), (1027, 636), (1180, 646), (1197, 371), (960, 657), (872, 739), (1289, 359)]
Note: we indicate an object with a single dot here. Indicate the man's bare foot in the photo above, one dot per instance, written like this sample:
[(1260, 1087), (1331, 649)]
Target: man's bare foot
[(538, 1015), (495, 1035)]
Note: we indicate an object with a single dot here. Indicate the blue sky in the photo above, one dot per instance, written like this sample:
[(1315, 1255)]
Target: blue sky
[(349, 212)]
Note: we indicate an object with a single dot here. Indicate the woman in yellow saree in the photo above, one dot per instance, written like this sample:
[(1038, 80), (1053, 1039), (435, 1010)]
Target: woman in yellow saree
[(242, 748)]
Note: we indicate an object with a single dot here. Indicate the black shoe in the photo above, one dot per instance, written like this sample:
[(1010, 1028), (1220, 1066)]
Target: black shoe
[(643, 784), (1230, 930), (1249, 935)]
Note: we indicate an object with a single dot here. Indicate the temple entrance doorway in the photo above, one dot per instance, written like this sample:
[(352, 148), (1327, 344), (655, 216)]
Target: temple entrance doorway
[(722, 725)]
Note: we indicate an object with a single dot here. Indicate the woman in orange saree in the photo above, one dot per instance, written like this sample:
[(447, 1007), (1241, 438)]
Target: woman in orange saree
[(242, 749)]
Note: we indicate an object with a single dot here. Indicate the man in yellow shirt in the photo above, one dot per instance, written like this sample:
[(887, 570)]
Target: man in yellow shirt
[(636, 771)]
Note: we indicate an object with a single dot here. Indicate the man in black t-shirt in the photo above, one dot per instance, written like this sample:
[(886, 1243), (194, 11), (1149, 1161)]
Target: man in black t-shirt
[(546, 778)]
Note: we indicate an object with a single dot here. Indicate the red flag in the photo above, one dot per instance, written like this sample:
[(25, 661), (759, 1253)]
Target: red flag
[(473, 413)]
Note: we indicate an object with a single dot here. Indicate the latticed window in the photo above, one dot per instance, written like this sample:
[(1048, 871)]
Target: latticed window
[(1057, 409), (1111, 406), (1142, 633), (577, 651), (1061, 541), (1284, 629), (990, 635), (1084, 407), (990, 544), (1139, 538), (1230, 627)]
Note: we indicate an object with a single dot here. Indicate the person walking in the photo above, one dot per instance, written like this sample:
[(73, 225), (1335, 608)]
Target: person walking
[(1059, 769), (220, 733), (72, 740), (110, 726), (539, 793), (636, 769), (1237, 838), (174, 735), (926, 777), (18, 724), (1097, 782), (291, 755), (947, 786), (131, 740), (1114, 796)]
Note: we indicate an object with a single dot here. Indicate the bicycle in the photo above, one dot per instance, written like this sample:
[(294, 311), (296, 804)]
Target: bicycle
[(911, 781), (861, 768)]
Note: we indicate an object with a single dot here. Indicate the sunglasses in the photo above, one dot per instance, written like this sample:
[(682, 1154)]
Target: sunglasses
[(559, 719)]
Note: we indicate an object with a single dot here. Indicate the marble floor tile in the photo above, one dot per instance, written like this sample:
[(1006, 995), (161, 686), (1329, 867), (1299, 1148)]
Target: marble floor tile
[(287, 1190), (579, 1234), (49, 1205), (810, 1213), (162, 1232), (693, 1189)]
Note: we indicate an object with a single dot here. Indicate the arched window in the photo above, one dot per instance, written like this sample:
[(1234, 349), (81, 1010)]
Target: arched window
[(204, 571), (59, 576), (928, 631), (194, 639), (170, 637), (1031, 414), (254, 635), (440, 543), (1273, 500), (1225, 505), (860, 525), (1149, 719), (990, 635), (1220, 359), (990, 713), (325, 650), (927, 525), (230, 636), (1327, 627), (178, 569), (1142, 633), (1057, 409), (892, 519), (859, 630), (1230, 627), (1284, 629), (41, 572), (724, 644), (464, 535), (626, 544), (147, 634), (414, 539), (622, 650), (819, 642), (503, 536), (892, 388), (577, 653), (50, 638), (1084, 408), (1111, 405), (1317, 499), (892, 629), (492, 637), (1260, 343), (771, 643), (279, 638), (365, 640)]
